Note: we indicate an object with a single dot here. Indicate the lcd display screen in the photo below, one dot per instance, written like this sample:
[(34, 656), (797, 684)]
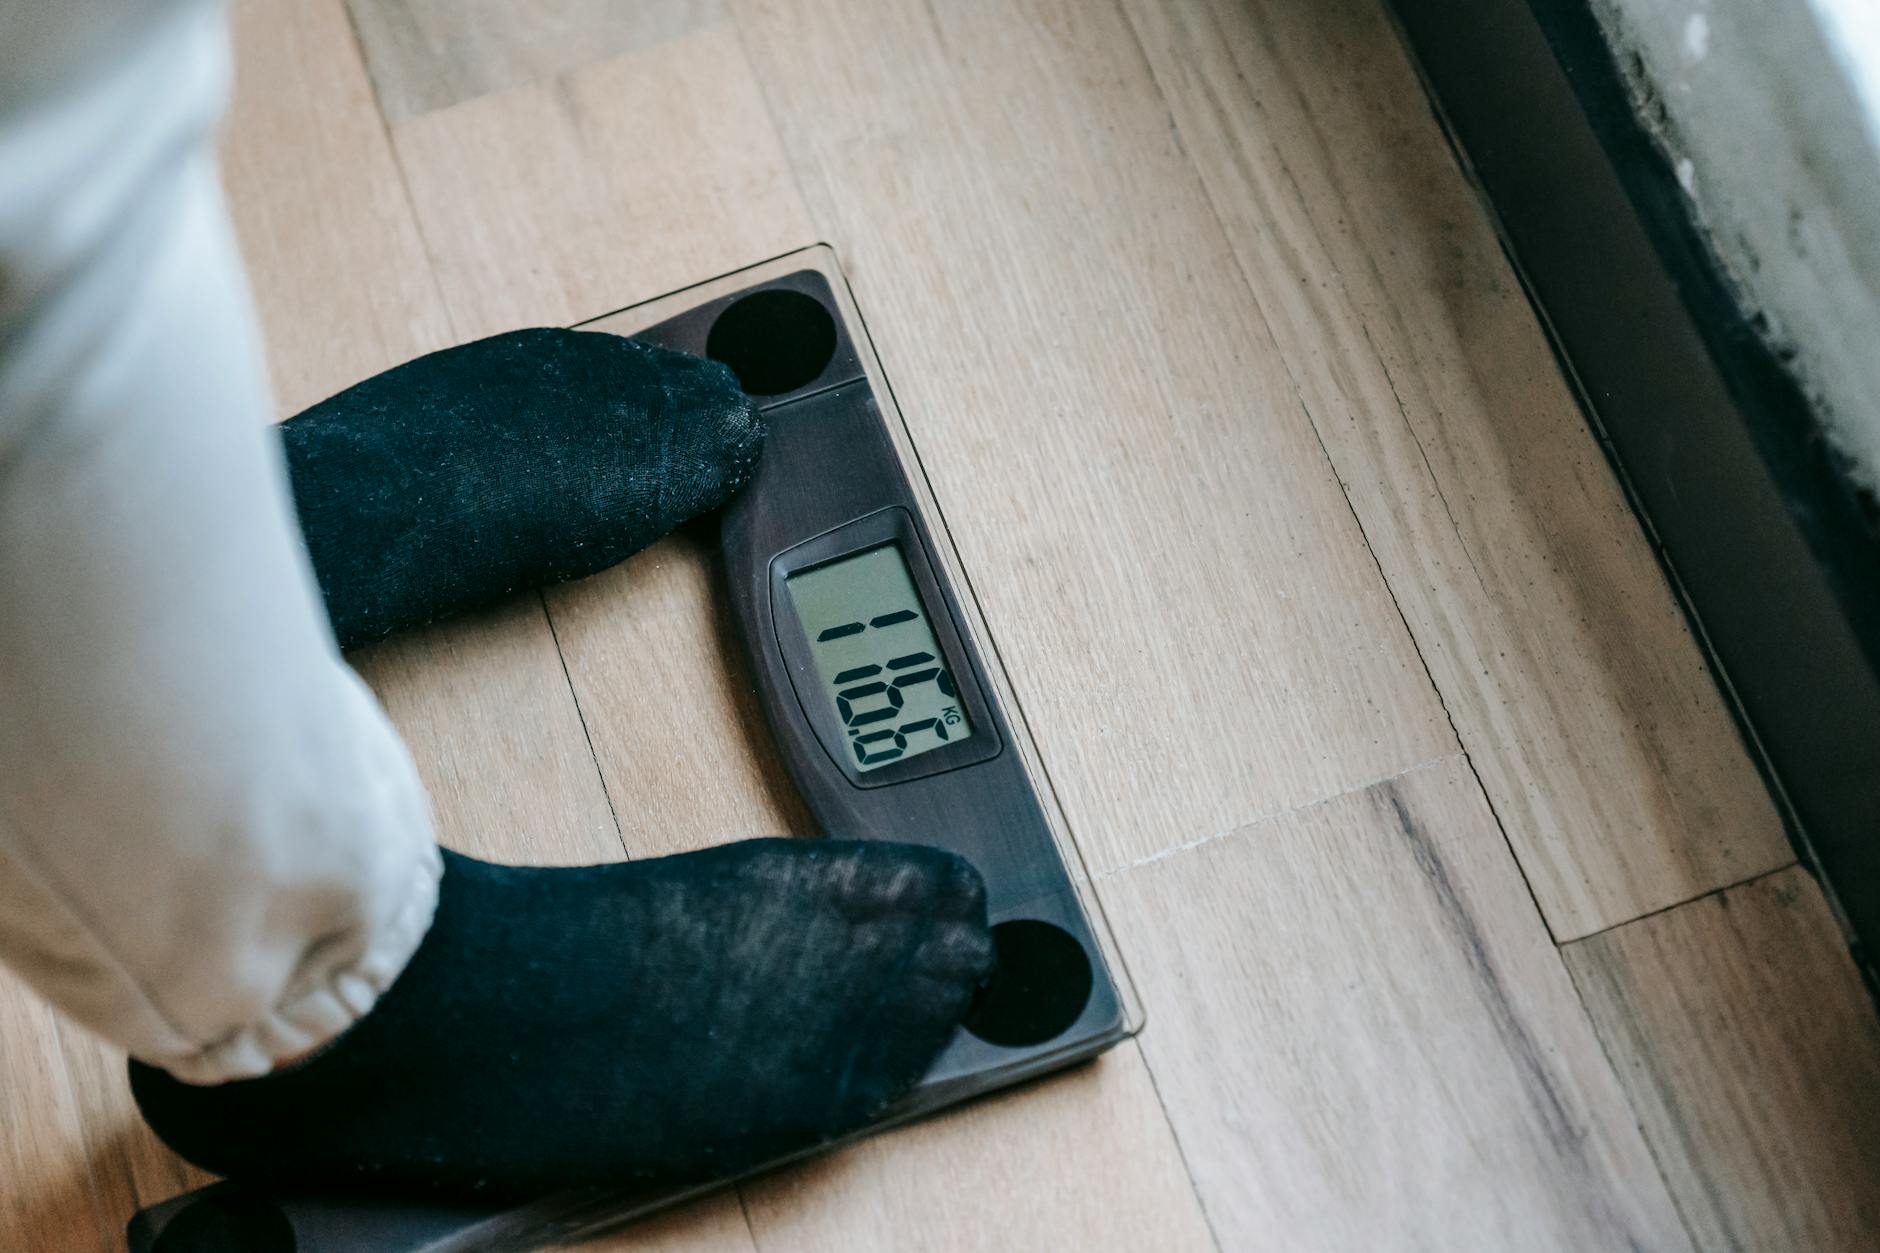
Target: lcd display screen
[(881, 666)]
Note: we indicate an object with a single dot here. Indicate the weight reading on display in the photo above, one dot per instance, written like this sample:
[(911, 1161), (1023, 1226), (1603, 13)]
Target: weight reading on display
[(880, 664)]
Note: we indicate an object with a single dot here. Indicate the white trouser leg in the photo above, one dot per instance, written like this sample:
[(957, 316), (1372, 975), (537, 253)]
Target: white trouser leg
[(214, 850)]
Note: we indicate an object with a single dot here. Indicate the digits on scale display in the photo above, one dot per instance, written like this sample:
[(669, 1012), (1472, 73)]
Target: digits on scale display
[(878, 658)]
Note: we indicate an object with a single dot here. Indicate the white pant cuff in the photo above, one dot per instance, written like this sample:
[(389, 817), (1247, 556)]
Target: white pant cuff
[(312, 1017)]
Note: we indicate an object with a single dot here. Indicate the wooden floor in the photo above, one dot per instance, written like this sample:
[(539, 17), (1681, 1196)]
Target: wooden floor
[(1461, 918)]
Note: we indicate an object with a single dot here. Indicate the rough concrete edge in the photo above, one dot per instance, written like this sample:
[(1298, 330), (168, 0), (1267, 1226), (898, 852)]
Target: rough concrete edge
[(1656, 54)]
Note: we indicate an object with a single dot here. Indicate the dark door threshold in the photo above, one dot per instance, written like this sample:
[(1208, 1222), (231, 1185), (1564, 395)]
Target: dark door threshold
[(1773, 554)]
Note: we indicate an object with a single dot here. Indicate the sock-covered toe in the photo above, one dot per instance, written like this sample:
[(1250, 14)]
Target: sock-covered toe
[(531, 457)]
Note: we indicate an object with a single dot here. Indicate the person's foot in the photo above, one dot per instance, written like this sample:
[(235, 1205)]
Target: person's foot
[(527, 458), (667, 1021)]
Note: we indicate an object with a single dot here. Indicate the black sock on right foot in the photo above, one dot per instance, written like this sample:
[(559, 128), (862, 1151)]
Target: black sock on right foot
[(670, 1021)]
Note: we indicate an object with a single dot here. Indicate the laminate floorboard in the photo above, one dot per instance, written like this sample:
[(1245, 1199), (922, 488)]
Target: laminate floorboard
[(1530, 587), (48, 1197), (430, 54), (1081, 1161), (1743, 1035), (1365, 1039), (565, 199)]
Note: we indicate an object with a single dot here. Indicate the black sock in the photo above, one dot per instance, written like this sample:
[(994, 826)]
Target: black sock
[(670, 1021), (527, 458)]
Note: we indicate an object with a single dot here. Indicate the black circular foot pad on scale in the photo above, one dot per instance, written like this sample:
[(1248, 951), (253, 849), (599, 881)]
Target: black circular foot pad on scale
[(1041, 985)]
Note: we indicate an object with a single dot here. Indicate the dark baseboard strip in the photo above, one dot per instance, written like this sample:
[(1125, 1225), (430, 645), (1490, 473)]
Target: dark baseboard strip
[(1771, 551)]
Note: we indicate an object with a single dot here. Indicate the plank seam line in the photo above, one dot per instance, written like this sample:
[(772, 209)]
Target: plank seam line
[(587, 735), (1720, 890), (1618, 1066), (1279, 814), (1416, 645)]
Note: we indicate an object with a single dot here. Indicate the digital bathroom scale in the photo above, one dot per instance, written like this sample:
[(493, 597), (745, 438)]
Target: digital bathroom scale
[(890, 712)]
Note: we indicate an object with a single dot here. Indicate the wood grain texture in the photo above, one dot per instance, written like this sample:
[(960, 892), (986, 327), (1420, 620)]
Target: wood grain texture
[(1749, 1047), (1365, 1039), (676, 726), (338, 270), (561, 201), (485, 705), (1533, 595), (1083, 1161), (131, 1166), (1190, 616), (428, 54), (48, 1200)]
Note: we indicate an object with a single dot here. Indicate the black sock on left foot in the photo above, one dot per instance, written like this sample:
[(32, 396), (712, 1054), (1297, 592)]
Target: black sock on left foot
[(527, 458)]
